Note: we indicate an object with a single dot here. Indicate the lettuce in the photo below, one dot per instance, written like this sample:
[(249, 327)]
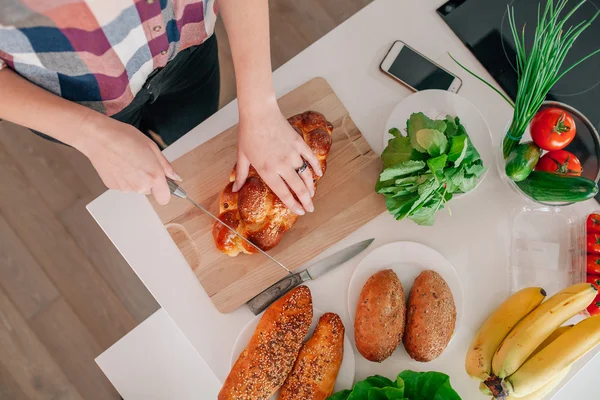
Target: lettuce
[(409, 385)]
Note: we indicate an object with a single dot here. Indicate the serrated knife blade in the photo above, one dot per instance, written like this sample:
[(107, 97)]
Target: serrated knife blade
[(178, 191)]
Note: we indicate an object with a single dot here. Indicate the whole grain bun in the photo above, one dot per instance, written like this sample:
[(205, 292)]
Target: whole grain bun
[(431, 317), (380, 316)]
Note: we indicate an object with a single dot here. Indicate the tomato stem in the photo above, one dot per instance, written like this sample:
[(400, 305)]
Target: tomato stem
[(564, 167), (560, 126)]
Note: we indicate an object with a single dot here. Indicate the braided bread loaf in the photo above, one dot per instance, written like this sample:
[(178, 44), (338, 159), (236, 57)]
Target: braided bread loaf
[(255, 211)]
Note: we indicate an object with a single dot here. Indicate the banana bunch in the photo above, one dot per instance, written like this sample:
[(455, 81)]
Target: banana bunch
[(522, 351)]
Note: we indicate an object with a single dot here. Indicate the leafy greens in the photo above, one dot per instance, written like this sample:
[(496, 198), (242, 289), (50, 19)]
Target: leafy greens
[(425, 168), (409, 385)]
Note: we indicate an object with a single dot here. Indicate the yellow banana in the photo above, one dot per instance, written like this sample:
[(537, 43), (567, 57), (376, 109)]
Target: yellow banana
[(554, 358), (546, 389), (484, 389), (528, 334), (478, 362), (557, 332)]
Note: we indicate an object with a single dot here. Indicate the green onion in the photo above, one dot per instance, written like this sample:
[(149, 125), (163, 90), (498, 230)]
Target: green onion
[(538, 69)]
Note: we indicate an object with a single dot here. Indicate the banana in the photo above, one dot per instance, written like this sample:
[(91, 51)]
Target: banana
[(478, 362), (546, 389), (557, 332), (539, 395), (538, 325), (554, 358), (484, 389)]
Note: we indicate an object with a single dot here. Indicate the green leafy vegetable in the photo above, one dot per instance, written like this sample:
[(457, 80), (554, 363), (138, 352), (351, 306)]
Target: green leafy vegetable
[(437, 164), (424, 216), (396, 132), (404, 168), (472, 153), (419, 121), (399, 150), (476, 169), (409, 385), (458, 149), (452, 126), (422, 171), (433, 141)]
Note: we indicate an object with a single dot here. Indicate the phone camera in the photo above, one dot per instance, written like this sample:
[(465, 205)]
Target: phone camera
[(449, 7)]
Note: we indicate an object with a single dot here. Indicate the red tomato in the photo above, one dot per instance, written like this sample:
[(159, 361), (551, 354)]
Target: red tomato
[(594, 280), (552, 129), (593, 223), (593, 264), (594, 307), (561, 162), (593, 243)]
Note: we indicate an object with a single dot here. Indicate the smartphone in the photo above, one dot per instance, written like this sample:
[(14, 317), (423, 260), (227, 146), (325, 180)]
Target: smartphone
[(413, 69)]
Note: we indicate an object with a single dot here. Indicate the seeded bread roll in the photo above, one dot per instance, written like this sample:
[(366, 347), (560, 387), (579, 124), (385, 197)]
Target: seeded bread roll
[(315, 371), (265, 363), (431, 317), (380, 314)]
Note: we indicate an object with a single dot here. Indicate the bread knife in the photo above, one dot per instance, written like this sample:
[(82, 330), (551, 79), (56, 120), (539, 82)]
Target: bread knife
[(264, 299), (178, 191)]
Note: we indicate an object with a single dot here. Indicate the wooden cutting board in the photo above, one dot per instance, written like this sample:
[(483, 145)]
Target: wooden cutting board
[(345, 200)]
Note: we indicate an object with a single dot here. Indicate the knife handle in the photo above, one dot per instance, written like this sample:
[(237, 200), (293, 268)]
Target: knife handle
[(267, 297)]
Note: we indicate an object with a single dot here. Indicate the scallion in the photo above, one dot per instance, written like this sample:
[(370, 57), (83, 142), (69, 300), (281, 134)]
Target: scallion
[(538, 69)]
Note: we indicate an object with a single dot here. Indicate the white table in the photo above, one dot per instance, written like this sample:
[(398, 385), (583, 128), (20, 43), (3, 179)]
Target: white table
[(188, 334)]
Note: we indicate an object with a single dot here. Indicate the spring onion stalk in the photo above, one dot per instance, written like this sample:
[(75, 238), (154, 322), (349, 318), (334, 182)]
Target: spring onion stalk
[(538, 69)]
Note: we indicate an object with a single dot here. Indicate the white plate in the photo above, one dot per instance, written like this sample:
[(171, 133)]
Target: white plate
[(407, 260), (345, 378), (437, 104)]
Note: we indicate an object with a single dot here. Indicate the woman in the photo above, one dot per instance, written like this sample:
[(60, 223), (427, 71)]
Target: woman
[(102, 75)]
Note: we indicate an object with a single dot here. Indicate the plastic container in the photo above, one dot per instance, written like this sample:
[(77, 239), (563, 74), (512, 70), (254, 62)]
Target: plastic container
[(592, 272), (547, 248)]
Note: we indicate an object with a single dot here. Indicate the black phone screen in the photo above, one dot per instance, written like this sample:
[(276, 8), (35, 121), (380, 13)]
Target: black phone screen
[(419, 72)]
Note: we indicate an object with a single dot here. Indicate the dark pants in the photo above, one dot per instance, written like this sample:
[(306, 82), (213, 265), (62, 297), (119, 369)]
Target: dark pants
[(177, 97)]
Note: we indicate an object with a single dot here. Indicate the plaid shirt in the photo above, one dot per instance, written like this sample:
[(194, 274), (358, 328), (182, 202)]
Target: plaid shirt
[(98, 53)]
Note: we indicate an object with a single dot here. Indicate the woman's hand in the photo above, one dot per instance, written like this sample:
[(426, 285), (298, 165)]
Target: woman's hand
[(268, 143), (125, 158)]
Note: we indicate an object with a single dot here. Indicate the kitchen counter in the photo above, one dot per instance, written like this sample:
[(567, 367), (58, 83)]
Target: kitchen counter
[(474, 239)]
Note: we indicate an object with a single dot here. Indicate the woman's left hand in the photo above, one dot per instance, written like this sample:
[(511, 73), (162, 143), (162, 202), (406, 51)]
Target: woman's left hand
[(268, 143)]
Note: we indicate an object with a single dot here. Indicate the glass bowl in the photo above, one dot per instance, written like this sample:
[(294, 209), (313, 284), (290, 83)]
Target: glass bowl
[(585, 146)]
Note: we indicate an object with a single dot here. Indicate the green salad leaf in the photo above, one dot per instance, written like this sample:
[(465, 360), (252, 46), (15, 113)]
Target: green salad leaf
[(419, 121), (401, 169), (437, 164), (409, 385), (459, 145), (399, 150), (433, 141), (451, 126), (423, 170)]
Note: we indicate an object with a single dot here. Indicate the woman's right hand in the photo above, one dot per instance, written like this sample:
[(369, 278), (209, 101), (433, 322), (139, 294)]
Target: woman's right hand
[(125, 158)]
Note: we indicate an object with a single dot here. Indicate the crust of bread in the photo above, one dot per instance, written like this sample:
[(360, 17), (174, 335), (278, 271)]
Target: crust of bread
[(316, 369), (380, 316), (255, 211), (268, 358), (431, 317)]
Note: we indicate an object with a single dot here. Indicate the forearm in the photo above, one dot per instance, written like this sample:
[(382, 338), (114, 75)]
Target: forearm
[(247, 25), (28, 105)]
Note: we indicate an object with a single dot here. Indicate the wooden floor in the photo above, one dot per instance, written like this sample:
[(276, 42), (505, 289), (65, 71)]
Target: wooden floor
[(66, 294)]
